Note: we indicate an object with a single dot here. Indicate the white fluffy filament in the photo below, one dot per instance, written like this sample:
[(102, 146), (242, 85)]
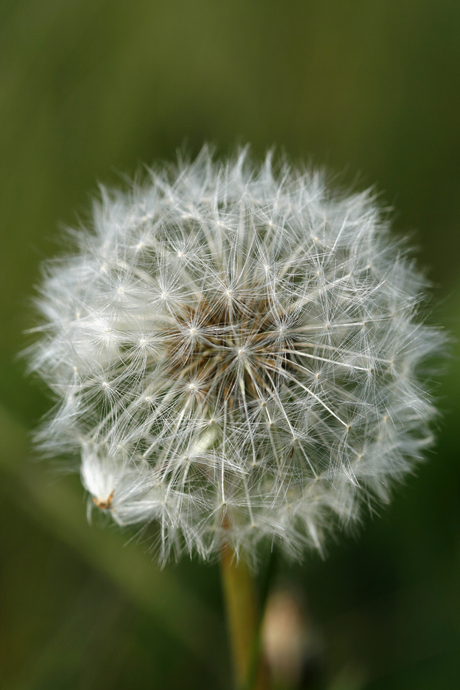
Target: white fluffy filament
[(235, 353)]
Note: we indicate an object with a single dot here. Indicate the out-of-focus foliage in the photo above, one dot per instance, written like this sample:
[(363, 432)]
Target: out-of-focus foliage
[(90, 89)]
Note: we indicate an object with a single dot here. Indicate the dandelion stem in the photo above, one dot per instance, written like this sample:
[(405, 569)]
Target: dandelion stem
[(243, 622)]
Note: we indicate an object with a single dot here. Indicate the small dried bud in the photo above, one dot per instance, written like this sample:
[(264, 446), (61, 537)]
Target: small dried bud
[(288, 641)]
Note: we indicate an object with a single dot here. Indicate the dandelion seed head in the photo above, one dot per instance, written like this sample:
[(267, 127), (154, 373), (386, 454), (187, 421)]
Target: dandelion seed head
[(248, 347)]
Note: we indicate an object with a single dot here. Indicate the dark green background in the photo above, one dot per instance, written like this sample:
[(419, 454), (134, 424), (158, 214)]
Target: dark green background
[(90, 89)]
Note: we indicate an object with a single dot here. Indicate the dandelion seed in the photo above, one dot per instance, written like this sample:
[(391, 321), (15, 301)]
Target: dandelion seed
[(284, 388)]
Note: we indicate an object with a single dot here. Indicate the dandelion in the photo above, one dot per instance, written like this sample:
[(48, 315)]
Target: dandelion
[(235, 352)]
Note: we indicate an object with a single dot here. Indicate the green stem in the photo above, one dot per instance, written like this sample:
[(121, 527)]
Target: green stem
[(243, 622)]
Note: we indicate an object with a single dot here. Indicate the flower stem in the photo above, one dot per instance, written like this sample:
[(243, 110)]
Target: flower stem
[(243, 622)]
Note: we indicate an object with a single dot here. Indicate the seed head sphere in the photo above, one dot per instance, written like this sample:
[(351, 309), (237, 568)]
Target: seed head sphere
[(235, 353)]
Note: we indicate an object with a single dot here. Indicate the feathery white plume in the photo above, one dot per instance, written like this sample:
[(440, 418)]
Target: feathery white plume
[(236, 356)]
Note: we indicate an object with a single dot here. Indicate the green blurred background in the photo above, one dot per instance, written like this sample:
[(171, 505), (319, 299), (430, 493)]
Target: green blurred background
[(90, 89)]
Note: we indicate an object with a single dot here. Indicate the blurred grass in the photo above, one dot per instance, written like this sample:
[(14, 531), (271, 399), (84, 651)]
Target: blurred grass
[(92, 89)]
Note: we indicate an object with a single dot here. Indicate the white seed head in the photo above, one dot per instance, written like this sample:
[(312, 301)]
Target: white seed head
[(253, 373)]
